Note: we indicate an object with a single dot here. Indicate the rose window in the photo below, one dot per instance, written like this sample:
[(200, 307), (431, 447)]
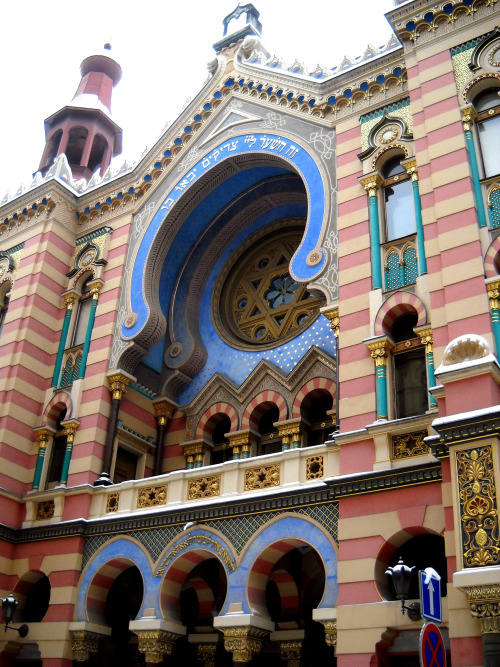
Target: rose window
[(256, 300)]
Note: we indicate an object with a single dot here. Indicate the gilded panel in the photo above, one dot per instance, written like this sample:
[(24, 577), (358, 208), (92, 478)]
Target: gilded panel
[(478, 507)]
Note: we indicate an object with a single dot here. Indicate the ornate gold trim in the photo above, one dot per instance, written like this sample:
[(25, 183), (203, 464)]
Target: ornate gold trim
[(262, 477)]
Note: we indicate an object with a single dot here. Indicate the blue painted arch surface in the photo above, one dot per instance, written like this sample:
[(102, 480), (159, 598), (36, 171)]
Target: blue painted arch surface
[(290, 152)]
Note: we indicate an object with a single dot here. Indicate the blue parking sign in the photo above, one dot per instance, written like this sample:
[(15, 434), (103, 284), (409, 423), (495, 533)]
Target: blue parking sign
[(430, 594)]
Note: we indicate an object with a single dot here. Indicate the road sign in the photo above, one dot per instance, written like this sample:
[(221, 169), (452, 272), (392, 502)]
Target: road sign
[(430, 594), (432, 650)]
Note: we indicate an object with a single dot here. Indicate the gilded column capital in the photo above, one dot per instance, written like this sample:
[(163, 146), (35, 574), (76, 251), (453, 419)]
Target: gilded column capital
[(43, 434), (95, 288), (290, 652), (468, 115), (69, 299), (484, 603), (163, 410), (243, 642), (380, 350), (426, 339), (155, 644), (330, 632), (206, 654), (83, 644), (70, 428), (289, 431), (411, 168), (493, 287), (333, 316), (118, 383), (371, 182)]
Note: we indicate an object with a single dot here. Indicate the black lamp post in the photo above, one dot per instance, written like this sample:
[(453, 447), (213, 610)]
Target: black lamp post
[(9, 606), (401, 578)]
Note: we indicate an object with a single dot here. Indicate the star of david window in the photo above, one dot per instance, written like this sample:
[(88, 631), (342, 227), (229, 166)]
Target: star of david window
[(257, 302)]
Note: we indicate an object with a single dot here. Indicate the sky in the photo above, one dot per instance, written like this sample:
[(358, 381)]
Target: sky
[(163, 48)]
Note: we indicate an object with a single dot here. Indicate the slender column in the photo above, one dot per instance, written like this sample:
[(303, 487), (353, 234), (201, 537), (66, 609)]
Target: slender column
[(118, 383), (43, 435), (69, 300), (493, 287), (425, 336), (411, 168), (194, 451), (371, 184), (468, 115), (379, 351), (163, 413), (289, 432), (334, 318), (70, 427), (95, 288), (241, 444), (290, 652)]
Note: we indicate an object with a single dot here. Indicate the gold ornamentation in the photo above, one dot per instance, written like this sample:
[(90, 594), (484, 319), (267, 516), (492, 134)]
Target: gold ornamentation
[(70, 428), (83, 644), (243, 642), (69, 300), (478, 507), (314, 467), (330, 632), (43, 435), (468, 115), (289, 433), (151, 496), (367, 126), (118, 384), (206, 654), (371, 183), (45, 510), (262, 477), (387, 134), (155, 644), (484, 603), (379, 351), (204, 487), (163, 411), (198, 541), (112, 502), (290, 652), (426, 339), (493, 287), (407, 445), (460, 62), (333, 316)]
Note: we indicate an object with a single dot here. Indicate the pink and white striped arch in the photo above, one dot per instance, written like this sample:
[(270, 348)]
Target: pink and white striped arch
[(176, 576), (400, 303), (260, 404), (288, 592), (100, 585), (207, 422), (261, 569), (53, 409), (492, 259), (310, 391)]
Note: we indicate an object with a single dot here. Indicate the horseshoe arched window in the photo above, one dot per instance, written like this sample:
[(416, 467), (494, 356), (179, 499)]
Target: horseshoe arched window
[(257, 301)]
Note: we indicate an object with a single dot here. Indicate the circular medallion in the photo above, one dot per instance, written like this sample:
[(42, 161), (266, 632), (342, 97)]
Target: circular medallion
[(87, 258), (314, 257), (387, 134), (257, 303), (131, 320), (174, 350)]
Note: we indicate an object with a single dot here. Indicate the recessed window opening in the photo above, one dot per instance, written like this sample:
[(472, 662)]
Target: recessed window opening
[(221, 451), (269, 441), (410, 375), (76, 144), (59, 443), (487, 105), (398, 200)]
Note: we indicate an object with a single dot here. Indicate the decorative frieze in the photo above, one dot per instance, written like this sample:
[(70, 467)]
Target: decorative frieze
[(408, 445), (45, 510), (478, 507), (112, 502), (262, 477), (314, 467), (484, 602), (150, 496), (204, 487)]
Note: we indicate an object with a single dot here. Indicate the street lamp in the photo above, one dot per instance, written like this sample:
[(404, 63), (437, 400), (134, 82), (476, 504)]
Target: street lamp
[(9, 606), (401, 578)]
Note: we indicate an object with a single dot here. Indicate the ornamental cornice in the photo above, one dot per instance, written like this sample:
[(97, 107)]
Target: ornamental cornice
[(412, 19), (463, 429)]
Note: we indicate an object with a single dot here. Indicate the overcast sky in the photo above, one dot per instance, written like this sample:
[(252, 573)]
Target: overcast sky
[(163, 48)]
